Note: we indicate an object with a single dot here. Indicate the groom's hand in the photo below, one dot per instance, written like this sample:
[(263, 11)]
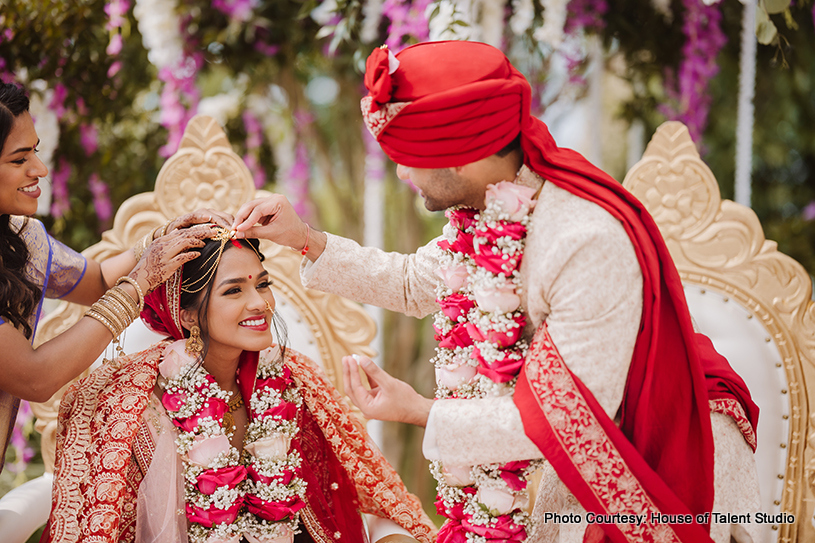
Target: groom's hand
[(388, 398)]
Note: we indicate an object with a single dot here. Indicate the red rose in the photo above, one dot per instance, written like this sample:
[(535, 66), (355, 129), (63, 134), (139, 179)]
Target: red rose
[(276, 383), (456, 305), (452, 532), (503, 529), (458, 337), (462, 218), (500, 371), (173, 402), (495, 261), (378, 78), (215, 408), (513, 230), (212, 479), (273, 511), (212, 516), (285, 410), (462, 244), (284, 478)]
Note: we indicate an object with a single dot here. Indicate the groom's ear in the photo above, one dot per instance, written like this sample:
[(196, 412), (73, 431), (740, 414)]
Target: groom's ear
[(188, 318)]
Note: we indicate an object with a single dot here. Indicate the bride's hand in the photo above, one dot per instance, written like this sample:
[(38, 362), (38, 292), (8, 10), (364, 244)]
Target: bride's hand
[(388, 398), (167, 253)]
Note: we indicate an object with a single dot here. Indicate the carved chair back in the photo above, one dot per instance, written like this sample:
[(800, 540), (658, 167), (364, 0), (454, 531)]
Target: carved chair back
[(755, 304)]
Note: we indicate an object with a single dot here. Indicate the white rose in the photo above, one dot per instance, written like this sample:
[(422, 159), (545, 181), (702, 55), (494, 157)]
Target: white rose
[(273, 448), (175, 358), (498, 501), (206, 449), (453, 376), (457, 475)]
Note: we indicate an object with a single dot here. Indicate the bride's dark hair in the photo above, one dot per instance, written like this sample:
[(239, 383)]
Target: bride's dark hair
[(196, 270), (19, 296)]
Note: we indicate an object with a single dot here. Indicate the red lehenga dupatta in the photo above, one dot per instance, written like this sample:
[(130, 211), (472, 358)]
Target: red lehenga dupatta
[(102, 443), (660, 459)]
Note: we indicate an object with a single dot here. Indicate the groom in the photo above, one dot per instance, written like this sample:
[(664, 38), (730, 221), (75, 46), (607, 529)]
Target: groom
[(608, 381)]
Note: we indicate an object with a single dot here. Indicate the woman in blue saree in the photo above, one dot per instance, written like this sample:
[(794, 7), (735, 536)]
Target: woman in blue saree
[(34, 266)]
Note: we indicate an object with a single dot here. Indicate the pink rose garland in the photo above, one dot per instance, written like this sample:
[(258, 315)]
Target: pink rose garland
[(480, 354), (229, 496)]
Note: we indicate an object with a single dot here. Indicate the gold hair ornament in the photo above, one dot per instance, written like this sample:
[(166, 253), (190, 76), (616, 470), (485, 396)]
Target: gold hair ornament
[(223, 236)]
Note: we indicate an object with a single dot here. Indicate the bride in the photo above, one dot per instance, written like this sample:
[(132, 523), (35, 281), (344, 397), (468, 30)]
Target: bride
[(216, 434)]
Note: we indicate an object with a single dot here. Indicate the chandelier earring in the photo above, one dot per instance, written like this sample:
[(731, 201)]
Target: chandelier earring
[(194, 345)]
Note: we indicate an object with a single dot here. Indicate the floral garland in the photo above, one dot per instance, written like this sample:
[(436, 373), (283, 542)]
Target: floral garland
[(228, 495), (480, 354)]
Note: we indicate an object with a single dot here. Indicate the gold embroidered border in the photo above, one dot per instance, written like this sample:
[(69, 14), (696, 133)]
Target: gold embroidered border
[(378, 120), (733, 409), (589, 449)]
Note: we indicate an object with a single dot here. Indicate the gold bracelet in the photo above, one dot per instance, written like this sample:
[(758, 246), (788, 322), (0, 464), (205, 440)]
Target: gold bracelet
[(112, 308), (141, 245), (163, 228), (139, 292)]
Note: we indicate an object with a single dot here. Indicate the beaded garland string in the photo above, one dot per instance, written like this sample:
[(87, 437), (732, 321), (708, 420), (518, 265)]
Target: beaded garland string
[(256, 494), (480, 354)]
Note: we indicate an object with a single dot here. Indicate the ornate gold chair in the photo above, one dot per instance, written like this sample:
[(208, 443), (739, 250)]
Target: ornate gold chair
[(203, 173), (754, 303)]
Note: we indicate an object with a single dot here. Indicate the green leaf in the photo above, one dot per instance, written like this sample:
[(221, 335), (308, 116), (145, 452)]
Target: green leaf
[(776, 6), (765, 29)]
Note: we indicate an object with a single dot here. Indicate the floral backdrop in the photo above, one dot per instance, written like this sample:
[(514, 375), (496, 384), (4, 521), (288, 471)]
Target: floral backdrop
[(113, 83)]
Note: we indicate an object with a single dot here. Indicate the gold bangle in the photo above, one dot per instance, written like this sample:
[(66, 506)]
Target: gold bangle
[(163, 228), (139, 292), (100, 318), (122, 303)]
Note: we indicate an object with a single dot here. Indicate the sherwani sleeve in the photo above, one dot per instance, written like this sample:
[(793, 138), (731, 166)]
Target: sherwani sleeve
[(403, 283), (583, 279)]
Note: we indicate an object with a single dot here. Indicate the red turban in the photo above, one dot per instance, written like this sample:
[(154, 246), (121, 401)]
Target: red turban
[(448, 104)]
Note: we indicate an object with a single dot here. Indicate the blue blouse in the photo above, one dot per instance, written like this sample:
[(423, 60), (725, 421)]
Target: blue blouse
[(57, 269)]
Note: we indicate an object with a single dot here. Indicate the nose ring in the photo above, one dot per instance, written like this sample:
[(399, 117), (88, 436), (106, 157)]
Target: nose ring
[(269, 307)]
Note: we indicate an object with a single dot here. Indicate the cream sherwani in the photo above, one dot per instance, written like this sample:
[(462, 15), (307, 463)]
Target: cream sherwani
[(580, 275)]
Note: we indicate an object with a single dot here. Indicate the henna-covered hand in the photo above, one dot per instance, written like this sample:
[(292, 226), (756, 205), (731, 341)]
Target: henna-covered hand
[(167, 253), (201, 216)]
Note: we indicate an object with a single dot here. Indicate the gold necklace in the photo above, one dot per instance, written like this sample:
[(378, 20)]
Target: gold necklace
[(235, 403)]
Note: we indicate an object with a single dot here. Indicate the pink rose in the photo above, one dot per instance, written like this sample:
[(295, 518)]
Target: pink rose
[(273, 448), (498, 501), (497, 299), (206, 449), (284, 410), (516, 200), (503, 529), (212, 479), (175, 358), (461, 218), (173, 401), (458, 337), (453, 376), (455, 306), (214, 408), (457, 475), (452, 532), (495, 262), (212, 516), (273, 511), (454, 276), (500, 371), (286, 536)]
